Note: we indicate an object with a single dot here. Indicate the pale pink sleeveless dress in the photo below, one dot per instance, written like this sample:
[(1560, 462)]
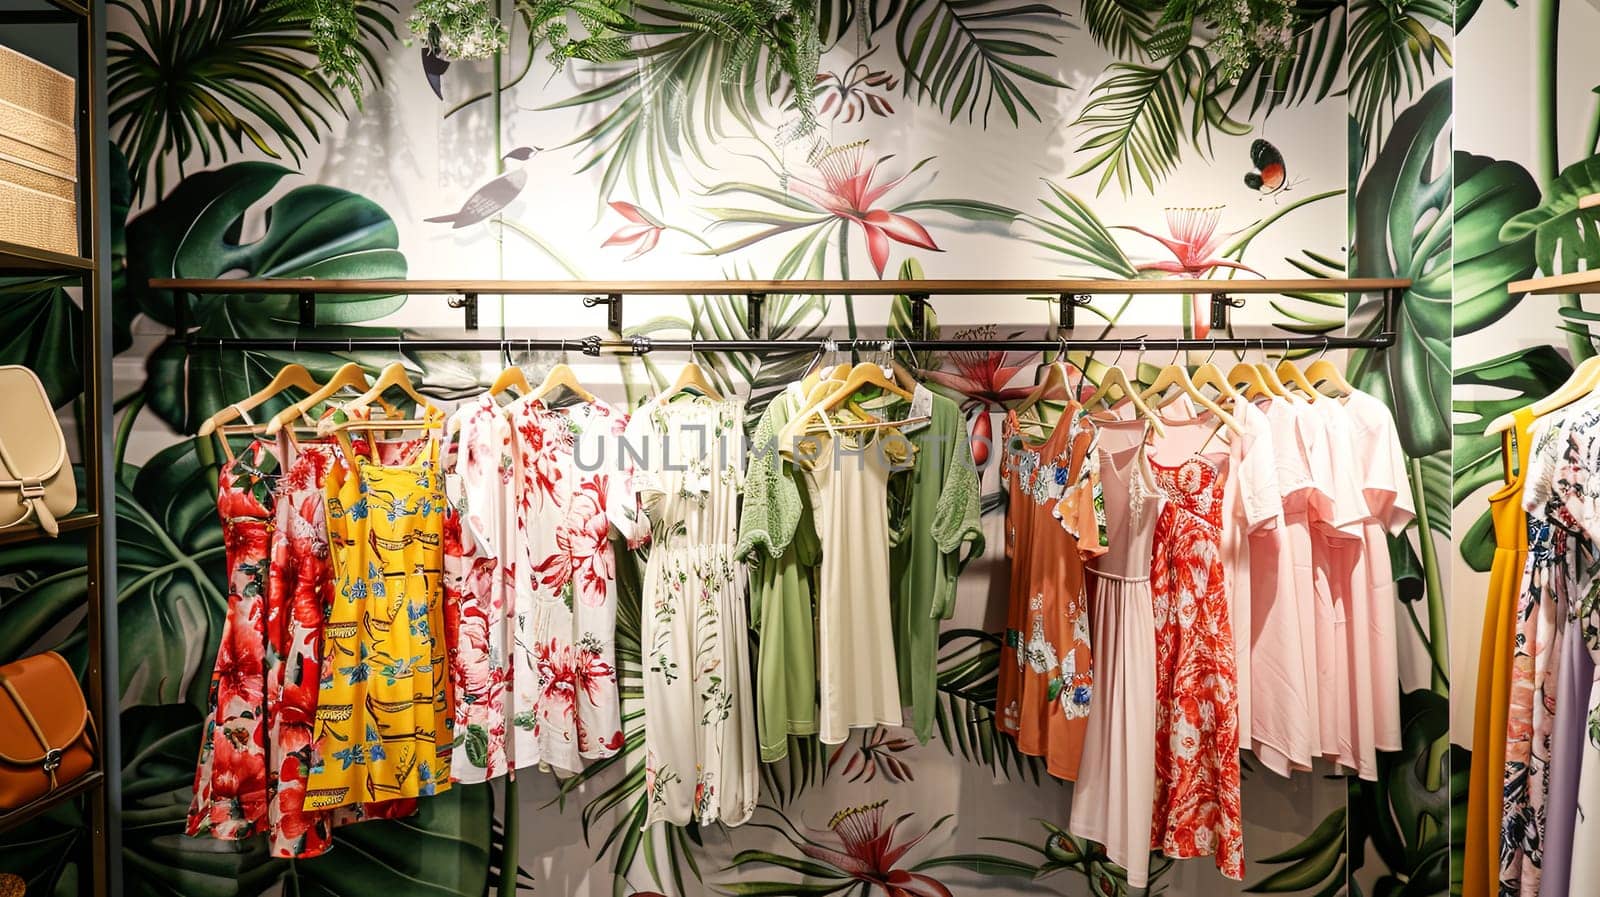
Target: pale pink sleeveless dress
[(1114, 797)]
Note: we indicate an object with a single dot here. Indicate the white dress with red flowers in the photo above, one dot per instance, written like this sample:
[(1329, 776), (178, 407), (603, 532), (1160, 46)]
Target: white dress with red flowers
[(699, 739), (570, 484), (479, 585)]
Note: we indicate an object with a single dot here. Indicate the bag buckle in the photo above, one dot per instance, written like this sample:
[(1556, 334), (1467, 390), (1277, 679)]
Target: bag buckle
[(33, 489), (52, 759)]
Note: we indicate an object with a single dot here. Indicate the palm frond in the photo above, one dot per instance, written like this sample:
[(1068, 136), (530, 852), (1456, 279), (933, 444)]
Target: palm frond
[(1135, 120), (1309, 73), (1393, 50), (679, 94), (1075, 231), (1122, 26), (192, 76), (969, 666), (963, 54)]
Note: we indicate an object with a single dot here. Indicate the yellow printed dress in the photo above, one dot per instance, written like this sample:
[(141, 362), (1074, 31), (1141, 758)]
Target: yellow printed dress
[(384, 720)]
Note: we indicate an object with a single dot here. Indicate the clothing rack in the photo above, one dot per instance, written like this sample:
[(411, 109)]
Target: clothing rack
[(1070, 295)]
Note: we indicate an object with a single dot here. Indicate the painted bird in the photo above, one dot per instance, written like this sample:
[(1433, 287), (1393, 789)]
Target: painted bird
[(433, 68), (495, 195)]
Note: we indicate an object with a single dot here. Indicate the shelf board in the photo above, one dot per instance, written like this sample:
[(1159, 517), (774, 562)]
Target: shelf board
[(1559, 284), (90, 781), (30, 533), (982, 287), (17, 257)]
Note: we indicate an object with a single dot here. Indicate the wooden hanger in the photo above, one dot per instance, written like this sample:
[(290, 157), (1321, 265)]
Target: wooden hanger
[(862, 375), (1177, 375), (1270, 377), (1583, 381), (1115, 378), (1208, 374), (350, 376), (1294, 378), (509, 379), (562, 376), (393, 376), (1248, 378), (1055, 376), (292, 376), (1324, 372), (691, 377)]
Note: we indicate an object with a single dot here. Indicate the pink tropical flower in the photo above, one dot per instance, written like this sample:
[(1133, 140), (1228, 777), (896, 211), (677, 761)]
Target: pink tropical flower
[(642, 234), (868, 853), (847, 191), (984, 376), (1193, 244)]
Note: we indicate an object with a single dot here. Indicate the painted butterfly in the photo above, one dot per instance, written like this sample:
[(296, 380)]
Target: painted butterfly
[(1270, 174)]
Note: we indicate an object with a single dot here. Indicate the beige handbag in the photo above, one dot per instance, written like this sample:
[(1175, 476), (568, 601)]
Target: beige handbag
[(35, 475)]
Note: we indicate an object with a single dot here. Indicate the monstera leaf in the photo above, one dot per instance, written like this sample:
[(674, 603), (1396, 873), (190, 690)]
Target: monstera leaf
[(170, 591), (1403, 816), (42, 328), (1487, 194), (1510, 381), (1403, 218), (312, 231), (1565, 238)]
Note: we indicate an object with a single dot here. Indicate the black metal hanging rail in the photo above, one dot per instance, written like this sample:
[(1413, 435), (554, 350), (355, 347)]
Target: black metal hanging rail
[(1070, 294)]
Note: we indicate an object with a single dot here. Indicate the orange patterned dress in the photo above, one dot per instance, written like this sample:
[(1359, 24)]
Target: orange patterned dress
[(1197, 809)]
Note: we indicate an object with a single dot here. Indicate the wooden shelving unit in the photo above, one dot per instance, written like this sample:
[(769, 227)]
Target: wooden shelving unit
[(94, 524)]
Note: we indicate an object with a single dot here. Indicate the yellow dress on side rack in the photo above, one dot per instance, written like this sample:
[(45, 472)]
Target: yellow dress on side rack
[(1485, 794), (384, 720)]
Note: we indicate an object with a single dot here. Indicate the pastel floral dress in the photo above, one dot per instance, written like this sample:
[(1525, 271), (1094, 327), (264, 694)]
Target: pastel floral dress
[(570, 483), (1197, 803), (479, 587), (700, 739), (384, 721), (1548, 582), (1055, 522), (273, 631)]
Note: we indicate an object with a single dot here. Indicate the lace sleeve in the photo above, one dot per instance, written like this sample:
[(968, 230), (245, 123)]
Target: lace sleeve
[(771, 512)]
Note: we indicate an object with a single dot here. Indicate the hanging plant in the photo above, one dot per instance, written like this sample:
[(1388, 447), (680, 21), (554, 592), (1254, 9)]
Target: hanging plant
[(335, 37), (787, 29), (458, 29), (1246, 32), (603, 35)]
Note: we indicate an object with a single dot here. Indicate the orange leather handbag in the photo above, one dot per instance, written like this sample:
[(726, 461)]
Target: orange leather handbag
[(46, 734)]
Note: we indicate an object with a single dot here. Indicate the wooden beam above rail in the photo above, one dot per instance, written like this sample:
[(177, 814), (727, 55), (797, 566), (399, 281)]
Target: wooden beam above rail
[(995, 287)]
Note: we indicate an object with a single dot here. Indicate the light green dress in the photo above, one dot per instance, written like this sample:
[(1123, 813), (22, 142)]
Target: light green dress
[(779, 540), (936, 530)]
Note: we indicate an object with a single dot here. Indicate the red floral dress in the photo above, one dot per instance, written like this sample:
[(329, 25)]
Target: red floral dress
[(1197, 810), (251, 777), (570, 479)]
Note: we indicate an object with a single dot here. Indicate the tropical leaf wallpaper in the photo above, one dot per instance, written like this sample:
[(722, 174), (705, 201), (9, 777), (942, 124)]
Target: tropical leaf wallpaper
[(955, 138)]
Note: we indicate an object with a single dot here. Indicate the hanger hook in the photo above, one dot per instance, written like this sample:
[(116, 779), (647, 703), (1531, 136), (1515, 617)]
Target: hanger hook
[(1121, 344), (1213, 352), (1326, 343)]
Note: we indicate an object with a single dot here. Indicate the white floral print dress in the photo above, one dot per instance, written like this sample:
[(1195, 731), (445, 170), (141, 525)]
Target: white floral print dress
[(700, 740), (571, 484)]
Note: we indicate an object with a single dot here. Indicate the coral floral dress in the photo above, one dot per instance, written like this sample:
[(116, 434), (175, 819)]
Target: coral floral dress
[(254, 756), (1197, 809)]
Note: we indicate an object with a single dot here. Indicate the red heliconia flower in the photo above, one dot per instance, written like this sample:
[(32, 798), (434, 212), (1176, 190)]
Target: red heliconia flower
[(847, 191), (984, 376), (868, 853), (1193, 243), (642, 234)]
